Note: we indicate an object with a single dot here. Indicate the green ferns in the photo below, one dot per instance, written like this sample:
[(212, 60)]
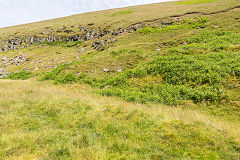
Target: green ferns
[(196, 78), (186, 74)]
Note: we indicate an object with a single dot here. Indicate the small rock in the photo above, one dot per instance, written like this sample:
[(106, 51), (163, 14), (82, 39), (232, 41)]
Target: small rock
[(82, 50), (68, 31), (119, 70), (90, 24), (106, 87), (78, 74), (105, 70), (183, 43), (63, 27), (4, 59)]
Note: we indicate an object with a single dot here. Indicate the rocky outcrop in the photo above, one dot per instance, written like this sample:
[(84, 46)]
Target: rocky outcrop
[(84, 34)]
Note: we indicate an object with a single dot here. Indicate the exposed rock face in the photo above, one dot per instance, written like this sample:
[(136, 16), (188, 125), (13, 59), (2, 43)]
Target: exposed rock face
[(84, 34)]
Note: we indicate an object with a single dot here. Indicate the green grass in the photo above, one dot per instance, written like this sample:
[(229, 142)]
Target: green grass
[(196, 2), (122, 13), (60, 124), (208, 42), (184, 24), (62, 43), (124, 51)]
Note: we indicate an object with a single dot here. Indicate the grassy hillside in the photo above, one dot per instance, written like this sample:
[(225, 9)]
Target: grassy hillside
[(42, 121), (158, 81)]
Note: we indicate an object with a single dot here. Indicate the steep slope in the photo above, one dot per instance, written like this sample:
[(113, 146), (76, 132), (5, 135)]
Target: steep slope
[(184, 55)]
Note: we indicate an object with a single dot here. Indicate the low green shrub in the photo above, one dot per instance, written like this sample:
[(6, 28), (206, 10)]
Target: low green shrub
[(23, 74), (55, 72), (66, 78)]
